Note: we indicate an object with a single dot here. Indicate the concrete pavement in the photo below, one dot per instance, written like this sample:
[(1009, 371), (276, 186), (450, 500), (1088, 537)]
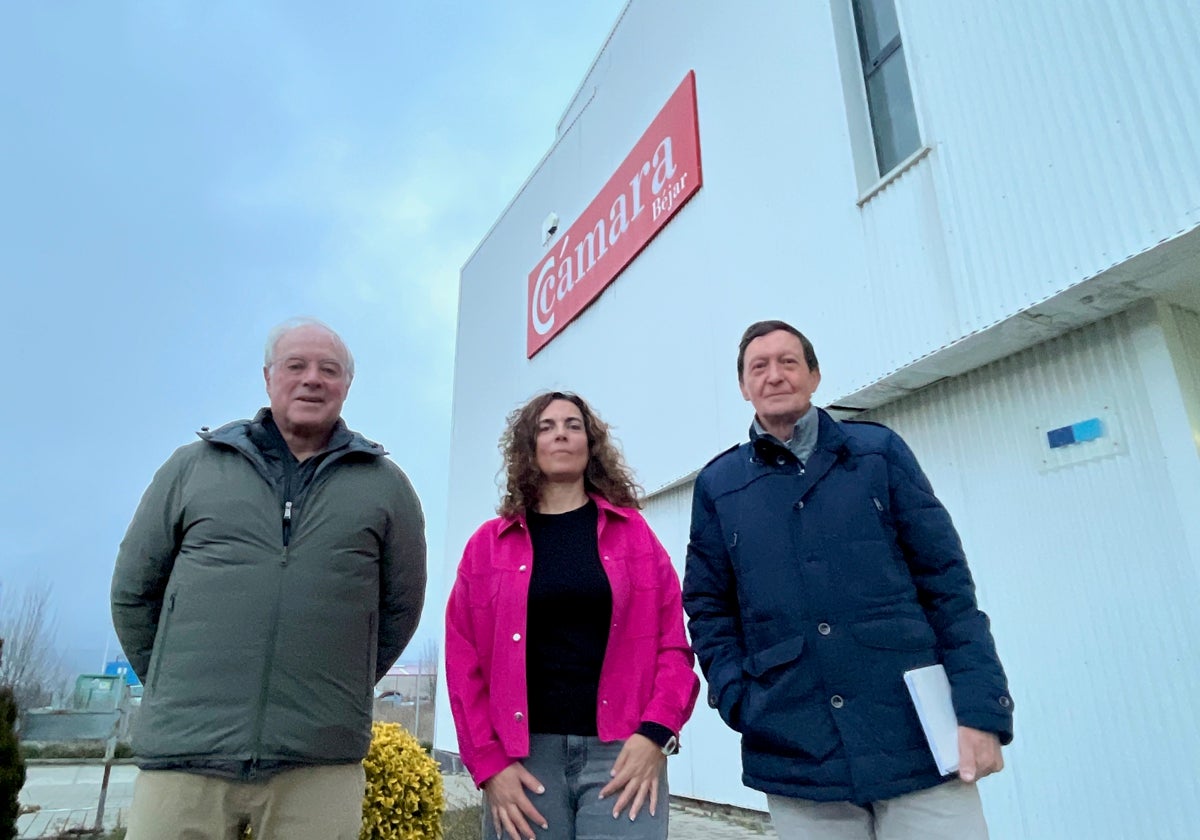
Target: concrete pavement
[(67, 794)]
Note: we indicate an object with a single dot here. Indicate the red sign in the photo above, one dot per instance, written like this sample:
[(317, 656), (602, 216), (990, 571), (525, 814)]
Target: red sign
[(647, 190)]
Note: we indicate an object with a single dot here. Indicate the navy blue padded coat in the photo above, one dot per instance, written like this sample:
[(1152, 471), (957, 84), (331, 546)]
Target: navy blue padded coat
[(810, 590)]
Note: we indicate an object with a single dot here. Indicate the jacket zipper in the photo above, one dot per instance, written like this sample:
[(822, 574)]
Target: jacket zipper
[(252, 768), (287, 526)]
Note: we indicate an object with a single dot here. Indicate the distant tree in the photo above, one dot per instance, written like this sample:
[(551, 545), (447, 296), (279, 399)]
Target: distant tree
[(428, 664), (12, 766), (31, 667)]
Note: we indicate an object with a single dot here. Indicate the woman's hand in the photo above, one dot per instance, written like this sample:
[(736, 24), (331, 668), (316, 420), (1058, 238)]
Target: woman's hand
[(636, 773), (511, 808)]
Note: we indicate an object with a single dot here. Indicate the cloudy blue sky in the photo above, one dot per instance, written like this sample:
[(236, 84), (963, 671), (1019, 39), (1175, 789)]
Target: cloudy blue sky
[(178, 177)]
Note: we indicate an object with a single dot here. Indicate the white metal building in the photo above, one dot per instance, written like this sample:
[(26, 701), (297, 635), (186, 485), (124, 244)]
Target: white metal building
[(1009, 250)]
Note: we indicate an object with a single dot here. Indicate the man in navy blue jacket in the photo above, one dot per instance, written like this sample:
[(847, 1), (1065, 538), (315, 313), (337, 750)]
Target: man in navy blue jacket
[(821, 567)]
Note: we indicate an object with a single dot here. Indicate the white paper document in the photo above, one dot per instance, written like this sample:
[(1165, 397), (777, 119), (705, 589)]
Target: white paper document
[(930, 691)]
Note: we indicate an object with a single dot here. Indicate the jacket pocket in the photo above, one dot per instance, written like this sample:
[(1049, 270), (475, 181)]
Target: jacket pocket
[(160, 643), (778, 713), (780, 653), (894, 634)]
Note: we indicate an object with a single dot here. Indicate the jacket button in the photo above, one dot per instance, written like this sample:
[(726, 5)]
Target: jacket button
[(823, 628), (781, 460), (799, 505), (516, 637), (836, 701), (1004, 701), (712, 701), (522, 568), (518, 717)]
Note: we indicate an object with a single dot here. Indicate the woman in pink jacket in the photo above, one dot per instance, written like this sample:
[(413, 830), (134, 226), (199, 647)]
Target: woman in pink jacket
[(568, 669)]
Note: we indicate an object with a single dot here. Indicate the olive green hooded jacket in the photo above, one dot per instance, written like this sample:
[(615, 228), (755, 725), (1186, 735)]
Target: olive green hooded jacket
[(260, 634)]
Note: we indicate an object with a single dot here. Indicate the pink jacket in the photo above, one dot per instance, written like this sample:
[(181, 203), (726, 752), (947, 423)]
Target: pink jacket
[(647, 672)]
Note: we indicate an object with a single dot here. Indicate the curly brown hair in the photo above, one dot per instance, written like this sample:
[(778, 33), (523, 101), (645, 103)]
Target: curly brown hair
[(606, 473)]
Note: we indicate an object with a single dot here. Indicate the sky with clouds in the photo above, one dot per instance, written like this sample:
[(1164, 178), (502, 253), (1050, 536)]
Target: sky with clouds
[(179, 177)]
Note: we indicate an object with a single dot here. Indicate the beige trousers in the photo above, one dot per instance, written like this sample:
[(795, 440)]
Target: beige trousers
[(950, 811), (308, 803)]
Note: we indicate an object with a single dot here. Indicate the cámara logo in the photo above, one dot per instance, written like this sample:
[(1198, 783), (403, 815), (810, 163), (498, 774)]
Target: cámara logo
[(654, 181)]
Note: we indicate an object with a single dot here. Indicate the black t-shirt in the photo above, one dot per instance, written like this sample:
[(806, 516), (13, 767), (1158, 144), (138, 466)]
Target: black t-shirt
[(570, 610)]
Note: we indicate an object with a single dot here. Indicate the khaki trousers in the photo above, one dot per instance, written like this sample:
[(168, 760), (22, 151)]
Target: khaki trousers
[(308, 803), (949, 811)]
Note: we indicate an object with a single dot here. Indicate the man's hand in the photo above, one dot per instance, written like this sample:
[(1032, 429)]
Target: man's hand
[(511, 808), (978, 754), (636, 773)]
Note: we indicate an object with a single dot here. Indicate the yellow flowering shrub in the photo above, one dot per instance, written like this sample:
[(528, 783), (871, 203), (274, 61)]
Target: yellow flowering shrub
[(404, 799)]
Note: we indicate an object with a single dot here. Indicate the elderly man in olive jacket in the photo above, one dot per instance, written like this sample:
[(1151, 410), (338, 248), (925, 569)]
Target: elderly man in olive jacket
[(272, 573), (820, 568)]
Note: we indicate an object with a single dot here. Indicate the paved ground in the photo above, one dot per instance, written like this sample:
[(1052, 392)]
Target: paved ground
[(688, 821), (67, 794)]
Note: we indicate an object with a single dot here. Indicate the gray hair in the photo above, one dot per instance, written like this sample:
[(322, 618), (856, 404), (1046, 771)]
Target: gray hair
[(291, 324)]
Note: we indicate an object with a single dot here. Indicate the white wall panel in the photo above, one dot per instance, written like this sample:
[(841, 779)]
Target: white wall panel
[(1066, 133), (910, 285), (1087, 574), (709, 766)]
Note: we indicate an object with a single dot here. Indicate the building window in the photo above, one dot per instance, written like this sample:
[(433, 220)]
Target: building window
[(889, 96)]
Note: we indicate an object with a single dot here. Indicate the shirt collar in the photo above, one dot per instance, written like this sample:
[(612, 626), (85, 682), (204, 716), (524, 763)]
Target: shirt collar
[(804, 434)]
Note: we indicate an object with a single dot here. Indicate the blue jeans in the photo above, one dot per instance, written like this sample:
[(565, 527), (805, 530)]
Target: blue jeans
[(573, 769)]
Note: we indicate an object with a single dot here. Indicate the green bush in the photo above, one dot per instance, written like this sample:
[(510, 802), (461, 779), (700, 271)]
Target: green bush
[(74, 749), (12, 767)]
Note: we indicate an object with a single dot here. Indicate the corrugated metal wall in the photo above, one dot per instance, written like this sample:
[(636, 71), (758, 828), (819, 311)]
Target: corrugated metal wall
[(1086, 573), (1116, 83), (709, 765), (1021, 187), (904, 235)]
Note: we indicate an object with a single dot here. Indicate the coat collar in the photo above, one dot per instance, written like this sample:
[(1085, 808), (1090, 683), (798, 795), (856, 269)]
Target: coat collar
[(238, 436), (831, 449), (829, 436)]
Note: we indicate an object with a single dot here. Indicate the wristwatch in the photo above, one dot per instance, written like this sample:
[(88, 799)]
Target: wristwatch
[(671, 747)]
